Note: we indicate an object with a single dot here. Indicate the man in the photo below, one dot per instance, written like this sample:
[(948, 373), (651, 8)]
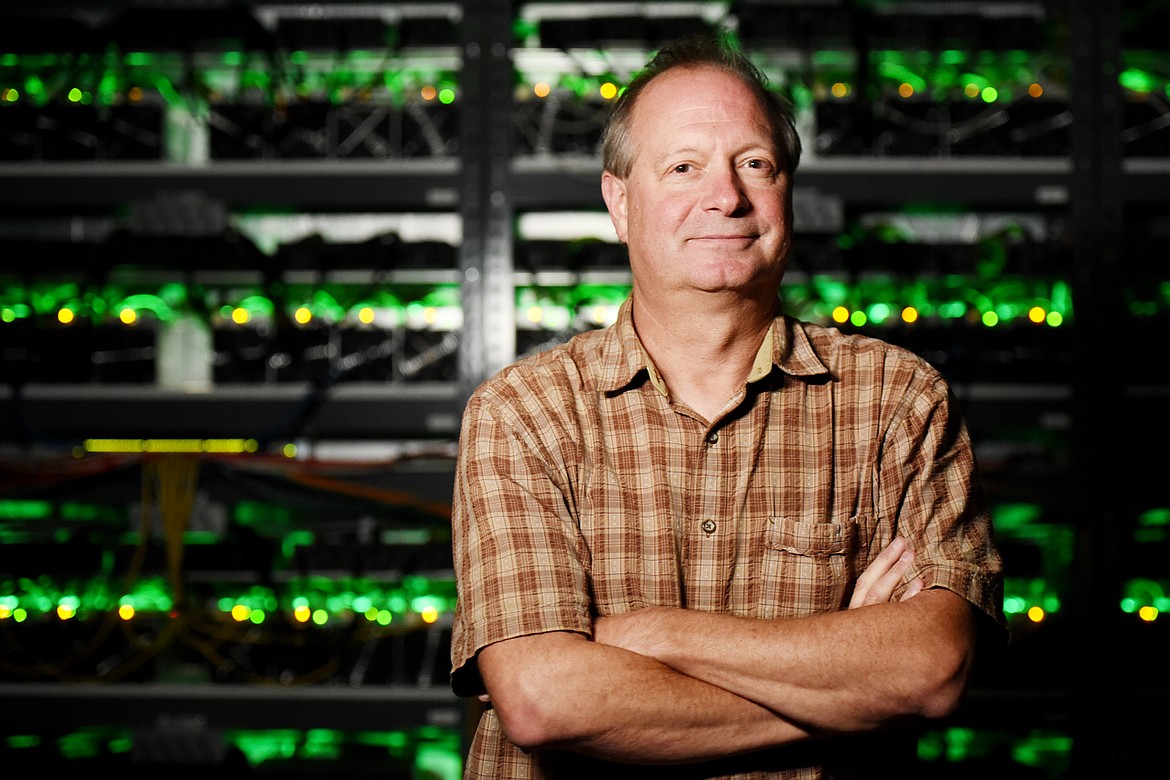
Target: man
[(710, 541)]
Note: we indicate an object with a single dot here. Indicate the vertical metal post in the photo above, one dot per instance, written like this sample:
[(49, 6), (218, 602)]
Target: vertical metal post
[(485, 146), (1096, 239)]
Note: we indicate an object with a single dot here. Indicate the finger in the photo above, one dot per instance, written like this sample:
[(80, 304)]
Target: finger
[(875, 571), (877, 583), (915, 587), (882, 563)]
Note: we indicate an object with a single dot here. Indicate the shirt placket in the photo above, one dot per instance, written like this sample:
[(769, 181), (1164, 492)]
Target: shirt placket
[(712, 527)]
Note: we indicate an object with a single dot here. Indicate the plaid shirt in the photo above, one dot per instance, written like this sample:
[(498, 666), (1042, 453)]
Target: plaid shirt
[(581, 490)]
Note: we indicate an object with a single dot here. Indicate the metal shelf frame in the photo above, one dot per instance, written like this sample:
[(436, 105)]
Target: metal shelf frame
[(488, 186)]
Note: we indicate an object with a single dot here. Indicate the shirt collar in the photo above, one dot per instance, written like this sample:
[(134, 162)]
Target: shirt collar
[(623, 358), (792, 351)]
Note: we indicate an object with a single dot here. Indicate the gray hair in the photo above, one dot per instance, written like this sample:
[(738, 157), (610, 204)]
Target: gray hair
[(714, 50)]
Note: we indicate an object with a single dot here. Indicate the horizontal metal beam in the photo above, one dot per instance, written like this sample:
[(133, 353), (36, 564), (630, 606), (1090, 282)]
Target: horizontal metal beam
[(37, 705), (407, 184), (541, 183), (263, 412)]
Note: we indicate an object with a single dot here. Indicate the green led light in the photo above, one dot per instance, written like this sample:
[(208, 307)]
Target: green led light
[(891, 65), (25, 509), (1144, 592), (1016, 516), (442, 762), (1136, 80), (446, 95), (879, 313), (1159, 516), (260, 746), (952, 310), (150, 303), (256, 512), (1014, 605)]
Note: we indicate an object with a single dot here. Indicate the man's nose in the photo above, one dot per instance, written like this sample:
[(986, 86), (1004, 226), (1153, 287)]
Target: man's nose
[(724, 190)]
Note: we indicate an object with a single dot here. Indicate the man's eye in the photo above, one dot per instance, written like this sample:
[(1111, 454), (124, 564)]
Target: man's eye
[(758, 164), (682, 168)]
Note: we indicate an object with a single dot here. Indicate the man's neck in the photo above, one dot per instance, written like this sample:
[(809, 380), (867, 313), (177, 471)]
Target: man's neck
[(704, 348)]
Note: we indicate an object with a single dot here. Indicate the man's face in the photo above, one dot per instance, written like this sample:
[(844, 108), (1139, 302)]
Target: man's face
[(706, 205)]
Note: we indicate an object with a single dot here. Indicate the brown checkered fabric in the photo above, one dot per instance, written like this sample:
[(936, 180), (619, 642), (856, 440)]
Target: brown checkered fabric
[(581, 490)]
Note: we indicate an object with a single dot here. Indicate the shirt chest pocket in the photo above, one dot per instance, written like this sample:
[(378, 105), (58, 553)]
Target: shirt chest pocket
[(807, 566)]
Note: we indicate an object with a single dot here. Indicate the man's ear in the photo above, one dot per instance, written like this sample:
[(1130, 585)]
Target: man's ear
[(613, 191)]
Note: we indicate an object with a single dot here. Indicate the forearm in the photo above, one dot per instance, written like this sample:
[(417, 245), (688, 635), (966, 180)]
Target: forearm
[(562, 691), (845, 671)]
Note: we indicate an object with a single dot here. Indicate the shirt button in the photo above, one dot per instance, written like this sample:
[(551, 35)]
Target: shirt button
[(708, 526), (712, 437)]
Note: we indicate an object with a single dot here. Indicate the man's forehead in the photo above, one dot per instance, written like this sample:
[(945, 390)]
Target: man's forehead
[(682, 116)]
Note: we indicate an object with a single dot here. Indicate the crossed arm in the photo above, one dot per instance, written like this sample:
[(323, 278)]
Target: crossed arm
[(717, 685)]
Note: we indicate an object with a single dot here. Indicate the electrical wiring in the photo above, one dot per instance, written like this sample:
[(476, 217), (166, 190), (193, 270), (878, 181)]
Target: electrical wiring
[(168, 487), (172, 480)]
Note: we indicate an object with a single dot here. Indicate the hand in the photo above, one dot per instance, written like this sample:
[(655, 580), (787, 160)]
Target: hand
[(877, 583)]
